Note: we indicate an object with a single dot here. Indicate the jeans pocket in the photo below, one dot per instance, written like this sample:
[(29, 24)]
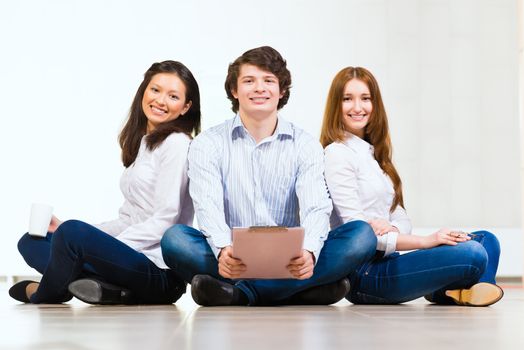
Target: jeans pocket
[(368, 268)]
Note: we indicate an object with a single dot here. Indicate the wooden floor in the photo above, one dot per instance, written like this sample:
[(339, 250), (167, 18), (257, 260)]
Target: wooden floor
[(415, 325)]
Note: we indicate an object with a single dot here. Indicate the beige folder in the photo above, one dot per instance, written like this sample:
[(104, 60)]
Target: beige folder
[(267, 250)]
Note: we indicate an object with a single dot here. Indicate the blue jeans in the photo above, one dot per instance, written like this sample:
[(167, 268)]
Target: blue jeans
[(399, 278), (186, 250), (78, 250)]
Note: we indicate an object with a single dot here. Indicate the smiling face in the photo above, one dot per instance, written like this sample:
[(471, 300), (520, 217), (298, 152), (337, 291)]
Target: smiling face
[(356, 107), (164, 99), (257, 92)]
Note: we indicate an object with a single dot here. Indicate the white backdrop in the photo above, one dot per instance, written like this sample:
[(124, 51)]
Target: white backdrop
[(447, 69)]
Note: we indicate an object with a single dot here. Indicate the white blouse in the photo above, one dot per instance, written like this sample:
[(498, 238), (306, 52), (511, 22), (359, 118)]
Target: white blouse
[(360, 190), (155, 189)]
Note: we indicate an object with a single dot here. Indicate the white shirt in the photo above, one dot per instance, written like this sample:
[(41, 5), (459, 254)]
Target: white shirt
[(155, 189), (235, 182), (360, 190)]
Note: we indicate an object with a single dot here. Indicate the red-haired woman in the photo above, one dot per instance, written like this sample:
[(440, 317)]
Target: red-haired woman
[(448, 266)]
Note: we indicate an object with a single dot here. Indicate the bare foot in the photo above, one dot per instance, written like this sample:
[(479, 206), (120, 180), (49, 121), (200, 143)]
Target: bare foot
[(30, 289)]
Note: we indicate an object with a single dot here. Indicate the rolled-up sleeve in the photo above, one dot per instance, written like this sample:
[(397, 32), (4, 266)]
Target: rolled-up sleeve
[(387, 243)]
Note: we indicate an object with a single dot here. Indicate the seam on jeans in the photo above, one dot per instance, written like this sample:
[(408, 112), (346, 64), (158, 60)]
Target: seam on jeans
[(251, 296), (71, 271), (364, 296), (156, 273), (424, 271)]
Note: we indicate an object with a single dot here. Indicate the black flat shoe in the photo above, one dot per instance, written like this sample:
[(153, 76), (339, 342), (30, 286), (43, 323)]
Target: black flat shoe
[(326, 294), (209, 291), (18, 291), (95, 292)]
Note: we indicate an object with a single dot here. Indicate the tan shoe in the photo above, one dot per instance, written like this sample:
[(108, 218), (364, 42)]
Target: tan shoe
[(480, 294)]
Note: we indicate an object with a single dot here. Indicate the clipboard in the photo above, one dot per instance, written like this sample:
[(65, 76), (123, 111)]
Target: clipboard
[(267, 250)]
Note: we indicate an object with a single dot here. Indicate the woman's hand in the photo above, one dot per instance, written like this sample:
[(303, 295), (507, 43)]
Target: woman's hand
[(229, 266), (302, 267), (381, 226), (444, 236), (53, 225)]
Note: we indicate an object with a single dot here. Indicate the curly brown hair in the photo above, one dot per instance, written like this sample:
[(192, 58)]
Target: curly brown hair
[(265, 58)]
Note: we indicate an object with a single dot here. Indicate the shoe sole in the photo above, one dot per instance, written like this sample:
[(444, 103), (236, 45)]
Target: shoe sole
[(480, 294), (93, 292), (86, 290)]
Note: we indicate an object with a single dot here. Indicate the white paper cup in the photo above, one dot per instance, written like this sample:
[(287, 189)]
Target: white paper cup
[(40, 219)]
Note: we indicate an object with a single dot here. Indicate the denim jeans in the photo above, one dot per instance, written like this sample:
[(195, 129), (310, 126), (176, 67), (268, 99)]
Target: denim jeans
[(400, 278), (186, 250), (78, 250)]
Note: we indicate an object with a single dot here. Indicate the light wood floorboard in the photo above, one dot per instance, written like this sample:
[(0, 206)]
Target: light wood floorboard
[(414, 325)]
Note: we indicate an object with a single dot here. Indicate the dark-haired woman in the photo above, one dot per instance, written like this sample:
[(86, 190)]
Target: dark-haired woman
[(448, 267), (120, 261)]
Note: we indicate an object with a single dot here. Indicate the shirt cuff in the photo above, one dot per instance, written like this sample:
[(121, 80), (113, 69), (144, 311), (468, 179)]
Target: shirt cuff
[(387, 243), (314, 248), (216, 247)]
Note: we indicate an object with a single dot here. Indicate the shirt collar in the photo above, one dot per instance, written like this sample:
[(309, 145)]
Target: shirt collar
[(359, 145), (284, 128), (237, 125)]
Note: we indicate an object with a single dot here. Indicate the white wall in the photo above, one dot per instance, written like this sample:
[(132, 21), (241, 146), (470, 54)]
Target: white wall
[(521, 104), (448, 71)]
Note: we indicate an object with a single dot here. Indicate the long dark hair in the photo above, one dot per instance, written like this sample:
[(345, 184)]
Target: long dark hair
[(376, 132), (136, 125)]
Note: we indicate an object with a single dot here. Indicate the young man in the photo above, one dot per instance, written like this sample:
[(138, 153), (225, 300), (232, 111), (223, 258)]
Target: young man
[(258, 169)]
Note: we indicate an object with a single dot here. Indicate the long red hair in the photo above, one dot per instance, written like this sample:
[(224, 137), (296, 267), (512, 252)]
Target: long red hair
[(376, 131)]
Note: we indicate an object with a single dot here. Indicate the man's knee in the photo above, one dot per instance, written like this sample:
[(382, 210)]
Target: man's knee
[(178, 243), (361, 235), (173, 238), (360, 239)]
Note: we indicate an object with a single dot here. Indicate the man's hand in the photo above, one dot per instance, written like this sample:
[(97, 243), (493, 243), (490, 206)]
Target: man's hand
[(228, 266), (302, 267)]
